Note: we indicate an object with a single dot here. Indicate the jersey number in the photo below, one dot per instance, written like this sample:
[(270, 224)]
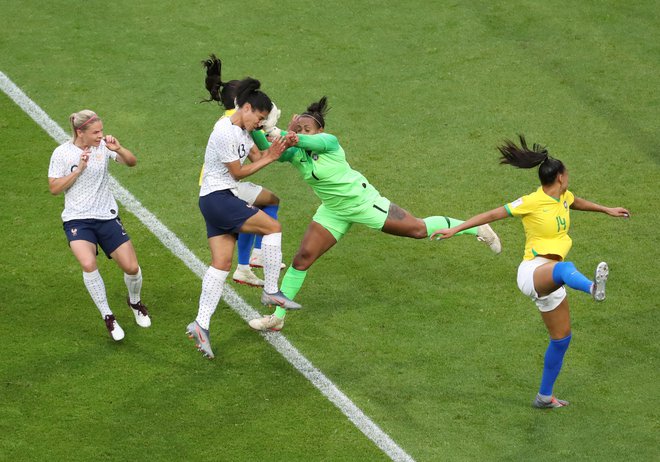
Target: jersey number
[(241, 151), (561, 222)]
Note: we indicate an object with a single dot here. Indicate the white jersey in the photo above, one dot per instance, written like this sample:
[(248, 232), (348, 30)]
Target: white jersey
[(227, 143), (89, 197)]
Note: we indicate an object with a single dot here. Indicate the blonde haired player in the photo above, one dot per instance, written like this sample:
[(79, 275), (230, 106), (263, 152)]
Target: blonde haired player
[(543, 272), (79, 169)]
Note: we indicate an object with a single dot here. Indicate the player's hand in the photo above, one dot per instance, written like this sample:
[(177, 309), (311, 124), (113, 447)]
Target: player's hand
[(291, 139), (84, 158), (270, 123), (276, 148), (293, 124), (618, 212), (112, 143), (443, 234)]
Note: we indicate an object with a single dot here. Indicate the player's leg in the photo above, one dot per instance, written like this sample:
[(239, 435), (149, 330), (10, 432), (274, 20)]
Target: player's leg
[(248, 192), (558, 323), (116, 244), (316, 241), (400, 222), (85, 253), (553, 275), (126, 259), (271, 230), (270, 204), (222, 250)]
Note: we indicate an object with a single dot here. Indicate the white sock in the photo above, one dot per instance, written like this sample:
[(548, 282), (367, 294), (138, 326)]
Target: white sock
[(271, 246), (243, 267), (134, 285), (212, 286), (96, 288)]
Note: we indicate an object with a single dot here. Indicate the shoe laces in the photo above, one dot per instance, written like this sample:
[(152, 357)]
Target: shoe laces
[(110, 322), (139, 307)]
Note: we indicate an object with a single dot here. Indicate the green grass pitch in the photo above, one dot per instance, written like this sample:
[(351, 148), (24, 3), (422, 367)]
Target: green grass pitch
[(433, 341)]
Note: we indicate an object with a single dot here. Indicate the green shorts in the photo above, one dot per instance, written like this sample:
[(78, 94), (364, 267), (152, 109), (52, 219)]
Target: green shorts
[(339, 223)]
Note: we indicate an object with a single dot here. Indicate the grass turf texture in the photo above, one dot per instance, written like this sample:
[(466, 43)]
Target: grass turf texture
[(432, 340)]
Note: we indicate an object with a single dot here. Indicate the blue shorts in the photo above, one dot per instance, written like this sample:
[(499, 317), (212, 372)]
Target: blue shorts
[(109, 234), (224, 213)]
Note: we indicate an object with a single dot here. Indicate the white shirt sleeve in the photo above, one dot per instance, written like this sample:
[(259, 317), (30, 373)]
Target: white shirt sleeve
[(58, 166)]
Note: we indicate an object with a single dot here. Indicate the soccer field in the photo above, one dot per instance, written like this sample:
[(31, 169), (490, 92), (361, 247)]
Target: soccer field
[(430, 343)]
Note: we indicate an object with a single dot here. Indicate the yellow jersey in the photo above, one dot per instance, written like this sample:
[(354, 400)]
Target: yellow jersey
[(228, 113), (546, 221)]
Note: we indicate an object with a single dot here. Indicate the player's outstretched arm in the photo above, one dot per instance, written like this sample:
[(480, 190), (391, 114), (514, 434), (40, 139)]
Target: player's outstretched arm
[(477, 220), (588, 206)]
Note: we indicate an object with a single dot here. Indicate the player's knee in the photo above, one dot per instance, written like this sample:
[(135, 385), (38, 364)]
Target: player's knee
[(222, 264), (132, 269), (418, 230), (303, 260), (274, 226), (88, 266)]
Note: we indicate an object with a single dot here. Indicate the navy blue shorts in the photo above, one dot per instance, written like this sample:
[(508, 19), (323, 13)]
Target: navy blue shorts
[(224, 213), (109, 234)]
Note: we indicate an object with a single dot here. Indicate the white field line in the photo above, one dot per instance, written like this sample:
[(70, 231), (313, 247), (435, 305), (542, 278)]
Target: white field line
[(240, 306)]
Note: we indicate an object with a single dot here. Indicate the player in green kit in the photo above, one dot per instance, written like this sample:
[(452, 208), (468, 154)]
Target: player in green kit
[(347, 197)]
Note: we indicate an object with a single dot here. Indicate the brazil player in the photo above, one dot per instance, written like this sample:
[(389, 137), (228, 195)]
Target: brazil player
[(544, 270), (226, 214), (254, 194), (79, 169), (347, 197)]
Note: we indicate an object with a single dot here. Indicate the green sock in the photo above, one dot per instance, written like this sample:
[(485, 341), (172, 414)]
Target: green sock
[(435, 223), (291, 284)]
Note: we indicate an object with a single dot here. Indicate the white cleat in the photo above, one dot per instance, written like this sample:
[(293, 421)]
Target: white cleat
[(598, 287), (247, 277), (271, 322), (255, 261), (115, 330), (486, 234), (140, 312)]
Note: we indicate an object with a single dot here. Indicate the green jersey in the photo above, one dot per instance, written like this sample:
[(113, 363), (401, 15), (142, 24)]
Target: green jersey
[(322, 163)]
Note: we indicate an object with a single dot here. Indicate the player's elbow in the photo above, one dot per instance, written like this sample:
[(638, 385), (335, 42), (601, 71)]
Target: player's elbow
[(54, 190)]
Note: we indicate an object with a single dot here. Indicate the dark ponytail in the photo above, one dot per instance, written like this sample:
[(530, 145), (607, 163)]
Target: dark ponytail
[(523, 157), (222, 92), (247, 91), (317, 111)]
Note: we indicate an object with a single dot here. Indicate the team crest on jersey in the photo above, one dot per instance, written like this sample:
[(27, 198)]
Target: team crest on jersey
[(315, 156), (74, 232)]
